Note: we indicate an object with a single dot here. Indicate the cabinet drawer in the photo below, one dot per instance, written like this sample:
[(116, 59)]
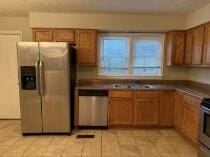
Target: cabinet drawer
[(192, 101), (147, 94), (120, 94)]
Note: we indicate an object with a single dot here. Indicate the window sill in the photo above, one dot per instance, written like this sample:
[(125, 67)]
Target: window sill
[(131, 77)]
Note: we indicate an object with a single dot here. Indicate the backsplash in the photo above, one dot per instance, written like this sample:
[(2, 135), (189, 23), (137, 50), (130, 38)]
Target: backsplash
[(170, 73), (200, 75)]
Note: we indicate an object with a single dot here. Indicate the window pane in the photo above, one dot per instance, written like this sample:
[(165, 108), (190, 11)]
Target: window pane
[(114, 56), (117, 59), (147, 56)]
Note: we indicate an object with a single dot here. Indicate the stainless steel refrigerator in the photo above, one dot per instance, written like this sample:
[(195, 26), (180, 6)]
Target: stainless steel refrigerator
[(46, 78)]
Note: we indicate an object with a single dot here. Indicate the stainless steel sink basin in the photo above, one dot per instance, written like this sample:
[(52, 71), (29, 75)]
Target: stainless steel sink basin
[(132, 85)]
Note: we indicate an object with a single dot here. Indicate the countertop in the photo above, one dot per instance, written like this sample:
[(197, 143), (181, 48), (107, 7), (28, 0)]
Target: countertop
[(194, 91)]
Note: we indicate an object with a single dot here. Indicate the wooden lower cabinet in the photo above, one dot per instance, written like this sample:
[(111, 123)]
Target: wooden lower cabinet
[(146, 108), (178, 110), (190, 121), (121, 111), (166, 109), (146, 111), (120, 108), (156, 108)]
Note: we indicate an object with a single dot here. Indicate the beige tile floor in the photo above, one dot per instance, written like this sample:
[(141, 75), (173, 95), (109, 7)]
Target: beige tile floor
[(107, 143)]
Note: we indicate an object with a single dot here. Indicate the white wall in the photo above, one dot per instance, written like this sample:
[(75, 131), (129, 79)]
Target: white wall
[(200, 75), (16, 24), (132, 22), (198, 17)]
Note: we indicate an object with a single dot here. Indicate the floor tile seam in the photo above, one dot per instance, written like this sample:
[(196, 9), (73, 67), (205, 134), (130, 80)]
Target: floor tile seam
[(83, 145), (6, 149), (137, 147), (65, 146), (25, 150), (45, 148), (149, 138), (101, 142)]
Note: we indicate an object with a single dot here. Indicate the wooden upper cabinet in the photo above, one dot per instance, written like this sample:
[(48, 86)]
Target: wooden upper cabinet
[(86, 47), (146, 110), (166, 109), (66, 35), (206, 50), (198, 38), (178, 110), (42, 34), (120, 108), (175, 48), (188, 48)]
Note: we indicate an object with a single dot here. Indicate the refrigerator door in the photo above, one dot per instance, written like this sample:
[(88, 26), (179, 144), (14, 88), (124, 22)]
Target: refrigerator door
[(54, 87), (30, 100)]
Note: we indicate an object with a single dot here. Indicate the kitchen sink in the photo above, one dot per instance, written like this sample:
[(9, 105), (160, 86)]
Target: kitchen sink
[(132, 85)]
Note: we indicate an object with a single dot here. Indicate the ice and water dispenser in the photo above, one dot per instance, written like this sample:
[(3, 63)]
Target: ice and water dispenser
[(28, 78)]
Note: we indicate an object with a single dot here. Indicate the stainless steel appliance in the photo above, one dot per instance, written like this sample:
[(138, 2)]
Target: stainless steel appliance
[(204, 134), (93, 108), (46, 78)]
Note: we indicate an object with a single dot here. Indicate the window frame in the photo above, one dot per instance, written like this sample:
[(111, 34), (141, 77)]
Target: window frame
[(131, 44)]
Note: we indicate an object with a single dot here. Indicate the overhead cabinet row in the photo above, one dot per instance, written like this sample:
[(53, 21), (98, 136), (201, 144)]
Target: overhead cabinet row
[(85, 40), (191, 47)]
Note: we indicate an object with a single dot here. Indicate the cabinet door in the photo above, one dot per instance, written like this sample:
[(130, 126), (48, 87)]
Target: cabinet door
[(189, 47), (178, 110), (179, 46), (120, 111), (63, 35), (166, 109), (86, 47), (42, 34), (146, 111), (206, 52), (169, 48), (198, 36), (190, 123)]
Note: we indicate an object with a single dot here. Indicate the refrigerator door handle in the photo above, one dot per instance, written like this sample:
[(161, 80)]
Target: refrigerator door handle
[(41, 76), (37, 76)]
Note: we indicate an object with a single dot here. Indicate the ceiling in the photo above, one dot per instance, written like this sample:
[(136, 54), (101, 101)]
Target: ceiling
[(23, 7)]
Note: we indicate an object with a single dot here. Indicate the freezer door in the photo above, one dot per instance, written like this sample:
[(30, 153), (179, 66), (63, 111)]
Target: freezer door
[(54, 87), (30, 100)]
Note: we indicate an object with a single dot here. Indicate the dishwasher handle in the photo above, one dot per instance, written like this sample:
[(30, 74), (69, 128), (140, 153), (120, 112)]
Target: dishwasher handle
[(88, 92)]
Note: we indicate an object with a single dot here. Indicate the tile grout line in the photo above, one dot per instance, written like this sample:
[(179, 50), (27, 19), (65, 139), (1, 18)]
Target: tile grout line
[(101, 143), (65, 145), (83, 145), (45, 149), (136, 145), (27, 148)]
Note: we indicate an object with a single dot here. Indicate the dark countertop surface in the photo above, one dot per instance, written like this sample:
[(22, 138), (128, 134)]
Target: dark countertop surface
[(194, 91)]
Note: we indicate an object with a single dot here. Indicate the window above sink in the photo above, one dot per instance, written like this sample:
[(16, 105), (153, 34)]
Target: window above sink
[(131, 54)]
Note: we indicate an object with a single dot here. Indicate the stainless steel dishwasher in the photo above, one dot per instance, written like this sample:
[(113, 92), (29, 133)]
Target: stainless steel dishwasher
[(93, 107)]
